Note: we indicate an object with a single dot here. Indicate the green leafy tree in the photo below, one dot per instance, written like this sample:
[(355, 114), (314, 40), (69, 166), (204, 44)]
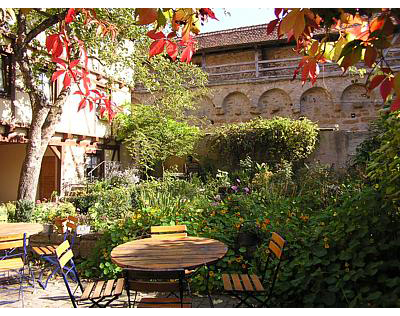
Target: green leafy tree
[(151, 134)]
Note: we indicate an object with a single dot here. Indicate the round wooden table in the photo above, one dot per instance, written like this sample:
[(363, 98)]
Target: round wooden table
[(168, 254), (20, 228)]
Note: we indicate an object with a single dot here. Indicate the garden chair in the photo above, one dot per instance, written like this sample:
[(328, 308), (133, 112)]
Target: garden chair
[(12, 261), (48, 254), (95, 292), (172, 231), (246, 287), (157, 281)]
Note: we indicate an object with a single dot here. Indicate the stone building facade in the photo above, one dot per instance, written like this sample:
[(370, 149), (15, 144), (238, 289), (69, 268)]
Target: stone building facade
[(251, 75)]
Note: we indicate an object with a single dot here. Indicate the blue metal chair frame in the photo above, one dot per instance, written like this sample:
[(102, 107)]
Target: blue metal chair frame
[(52, 258), (7, 255), (64, 256)]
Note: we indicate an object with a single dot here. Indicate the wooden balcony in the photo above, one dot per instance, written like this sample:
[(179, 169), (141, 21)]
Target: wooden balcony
[(275, 69), (278, 69)]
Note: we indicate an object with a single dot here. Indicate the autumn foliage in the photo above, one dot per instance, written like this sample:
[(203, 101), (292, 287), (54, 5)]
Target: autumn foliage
[(182, 24), (359, 35)]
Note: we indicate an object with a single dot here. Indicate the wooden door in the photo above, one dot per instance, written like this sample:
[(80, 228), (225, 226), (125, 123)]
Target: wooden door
[(48, 181)]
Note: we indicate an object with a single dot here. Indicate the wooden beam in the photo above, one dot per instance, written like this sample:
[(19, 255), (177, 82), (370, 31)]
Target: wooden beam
[(56, 152)]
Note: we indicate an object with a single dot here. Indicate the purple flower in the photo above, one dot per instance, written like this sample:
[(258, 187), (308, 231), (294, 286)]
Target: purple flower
[(234, 188), (237, 180), (246, 190)]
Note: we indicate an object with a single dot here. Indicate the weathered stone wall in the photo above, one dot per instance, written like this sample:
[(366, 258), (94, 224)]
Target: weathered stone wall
[(336, 102)]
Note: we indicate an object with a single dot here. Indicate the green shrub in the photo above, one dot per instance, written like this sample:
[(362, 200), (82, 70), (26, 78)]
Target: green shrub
[(45, 213), (272, 141), (23, 211)]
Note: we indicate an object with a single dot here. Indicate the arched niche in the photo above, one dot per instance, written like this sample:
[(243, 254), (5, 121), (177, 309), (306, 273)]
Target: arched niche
[(204, 109), (235, 106), (316, 103), (274, 102), (355, 98)]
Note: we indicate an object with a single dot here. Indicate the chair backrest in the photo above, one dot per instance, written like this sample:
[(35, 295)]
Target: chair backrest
[(276, 246), (155, 281), (71, 229), (13, 246), (65, 260), (168, 231)]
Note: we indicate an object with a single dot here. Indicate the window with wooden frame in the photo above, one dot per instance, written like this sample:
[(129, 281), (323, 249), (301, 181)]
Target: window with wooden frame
[(5, 75), (48, 88)]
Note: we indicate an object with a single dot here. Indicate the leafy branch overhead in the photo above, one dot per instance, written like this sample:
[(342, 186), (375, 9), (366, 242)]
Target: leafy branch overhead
[(347, 37)]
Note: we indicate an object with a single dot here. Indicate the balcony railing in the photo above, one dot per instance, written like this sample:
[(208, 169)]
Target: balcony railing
[(279, 69), (276, 69)]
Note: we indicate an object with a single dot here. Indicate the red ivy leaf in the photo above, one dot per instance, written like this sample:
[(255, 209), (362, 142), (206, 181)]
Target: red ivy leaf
[(73, 63), (278, 11), (376, 24), (208, 12), (155, 36), (56, 75), (172, 49), (67, 80), (376, 81), (386, 88), (370, 56), (271, 26), (147, 15), (157, 47), (70, 16), (187, 54), (50, 41), (395, 105), (82, 104)]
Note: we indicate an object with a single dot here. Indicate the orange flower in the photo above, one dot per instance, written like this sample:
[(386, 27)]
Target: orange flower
[(267, 221)]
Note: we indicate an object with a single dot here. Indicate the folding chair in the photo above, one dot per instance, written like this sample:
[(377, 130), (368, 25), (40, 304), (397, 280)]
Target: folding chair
[(47, 253), (13, 260), (173, 231), (246, 287), (95, 292), (157, 281)]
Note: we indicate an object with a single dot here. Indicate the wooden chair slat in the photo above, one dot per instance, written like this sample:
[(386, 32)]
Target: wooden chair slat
[(119, 287), (11, 244), (65, 258), (98, 289), (227, 282), (12, 237), (62, 247), (86, 293), (11, 264), (109, 288), (236, 282), (278, 240), (257, 283), (246, 282), (44, 250), (164, 229), (73, 219), (275, 249)]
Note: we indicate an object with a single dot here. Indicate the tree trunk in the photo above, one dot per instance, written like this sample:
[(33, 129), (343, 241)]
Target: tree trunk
[(45, 115)]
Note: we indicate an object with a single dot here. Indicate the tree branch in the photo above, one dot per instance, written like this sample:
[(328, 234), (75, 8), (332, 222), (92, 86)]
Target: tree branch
[(54, 19)]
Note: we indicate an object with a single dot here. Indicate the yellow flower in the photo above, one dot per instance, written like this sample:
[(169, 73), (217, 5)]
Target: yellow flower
[(238, 259), (211, 274), (326, 245), (237, 226), (244, 266), (224, 211)]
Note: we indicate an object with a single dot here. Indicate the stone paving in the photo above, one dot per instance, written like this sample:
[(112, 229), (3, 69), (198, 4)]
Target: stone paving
[(56, 296)]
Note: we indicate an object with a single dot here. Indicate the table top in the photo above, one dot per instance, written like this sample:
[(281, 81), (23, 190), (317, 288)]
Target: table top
[(20, 228), (168, 254)]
